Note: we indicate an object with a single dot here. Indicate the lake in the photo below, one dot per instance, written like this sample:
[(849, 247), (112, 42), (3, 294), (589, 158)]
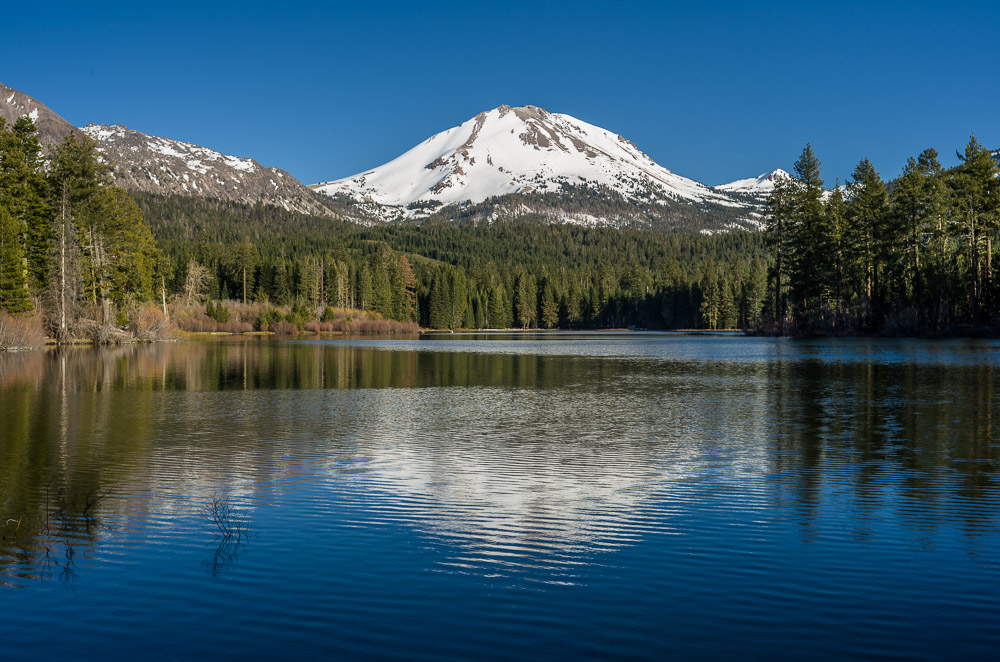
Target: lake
[(498, 496)]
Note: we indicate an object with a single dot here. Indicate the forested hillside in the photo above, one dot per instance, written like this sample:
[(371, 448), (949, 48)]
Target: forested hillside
[(471, 274)]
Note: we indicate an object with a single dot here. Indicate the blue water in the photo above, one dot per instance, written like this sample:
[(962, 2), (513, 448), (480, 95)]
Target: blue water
[(503, 496)]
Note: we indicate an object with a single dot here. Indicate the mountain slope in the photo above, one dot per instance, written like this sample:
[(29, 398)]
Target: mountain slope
[(523, 151), (170, 167), (152, 164), (52, 129)]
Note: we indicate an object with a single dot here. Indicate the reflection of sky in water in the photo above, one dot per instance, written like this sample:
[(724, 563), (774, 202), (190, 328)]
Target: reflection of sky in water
[(521, 476), (709, 348)]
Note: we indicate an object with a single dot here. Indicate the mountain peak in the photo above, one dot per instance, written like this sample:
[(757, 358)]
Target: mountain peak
[(520, 149)]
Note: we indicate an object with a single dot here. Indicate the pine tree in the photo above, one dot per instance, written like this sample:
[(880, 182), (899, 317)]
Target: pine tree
[(935, 203), (458, 288), (407, 307), (781, 205), (14, 295), (809, 236), (549, 311), (23, 191), (838, 257), (497, 308), (439, 306), (978, 200), (867, 210), (524, 300)]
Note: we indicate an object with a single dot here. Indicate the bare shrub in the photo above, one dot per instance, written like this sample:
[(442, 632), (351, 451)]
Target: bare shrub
[(148, 323), (21, 331), (230, 522), (236, 326), (283, 328), (107, 334)]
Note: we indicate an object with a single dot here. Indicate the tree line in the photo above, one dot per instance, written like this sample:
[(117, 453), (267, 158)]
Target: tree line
[(911, 256), (524, 273)]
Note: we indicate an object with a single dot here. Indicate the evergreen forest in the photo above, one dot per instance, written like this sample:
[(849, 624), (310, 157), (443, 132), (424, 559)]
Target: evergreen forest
[(912, 256)]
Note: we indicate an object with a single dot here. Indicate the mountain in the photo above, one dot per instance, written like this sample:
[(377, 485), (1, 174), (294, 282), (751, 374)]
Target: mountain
[(761, 185), (528, 161), (164, 166), (52, 129), (152, 164)]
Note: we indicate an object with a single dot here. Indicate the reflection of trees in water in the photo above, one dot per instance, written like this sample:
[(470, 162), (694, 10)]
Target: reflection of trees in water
[(45, 542), (226, 553), (918, 438)]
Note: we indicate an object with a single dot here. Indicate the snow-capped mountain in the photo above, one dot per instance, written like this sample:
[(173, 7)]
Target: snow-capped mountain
[(161, 165), (759, 186), (524, 150)]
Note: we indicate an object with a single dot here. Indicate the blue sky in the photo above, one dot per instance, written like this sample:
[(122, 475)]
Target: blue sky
[(714, 91)]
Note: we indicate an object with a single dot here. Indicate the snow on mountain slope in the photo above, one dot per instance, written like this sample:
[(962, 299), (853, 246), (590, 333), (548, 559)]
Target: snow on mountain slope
[(161, 165), (520, 150), (759, 185)]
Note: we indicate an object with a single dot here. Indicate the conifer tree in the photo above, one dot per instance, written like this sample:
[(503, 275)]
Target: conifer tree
[(23, 192), (867, 210), (781, 205), (14, 295), (497, 315), (439, 306), (978, 200), (808, 233), (835, 212)]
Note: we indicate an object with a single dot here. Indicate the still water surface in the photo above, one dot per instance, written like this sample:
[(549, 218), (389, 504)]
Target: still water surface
[(497, 496)]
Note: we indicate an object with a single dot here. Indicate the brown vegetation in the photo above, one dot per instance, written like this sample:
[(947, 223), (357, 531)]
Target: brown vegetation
[(237, 317), (149, 323), (21, 331)]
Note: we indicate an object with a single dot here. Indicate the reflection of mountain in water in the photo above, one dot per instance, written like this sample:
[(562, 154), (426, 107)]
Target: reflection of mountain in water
[(536, 477)]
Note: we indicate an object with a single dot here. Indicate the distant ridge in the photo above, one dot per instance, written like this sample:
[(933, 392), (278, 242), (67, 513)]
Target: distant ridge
[(170, 167)]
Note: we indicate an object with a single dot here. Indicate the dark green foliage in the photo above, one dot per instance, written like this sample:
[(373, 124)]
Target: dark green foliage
[(521, 273), (217, 311), (14, 295), (913, 256)]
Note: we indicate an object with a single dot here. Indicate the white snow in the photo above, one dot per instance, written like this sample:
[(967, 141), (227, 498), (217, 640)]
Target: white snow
[(195, 157), (760, 184), (33, 115), (510, 150)]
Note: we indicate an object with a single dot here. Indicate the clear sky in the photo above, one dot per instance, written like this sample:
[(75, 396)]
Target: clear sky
[(714, 91)]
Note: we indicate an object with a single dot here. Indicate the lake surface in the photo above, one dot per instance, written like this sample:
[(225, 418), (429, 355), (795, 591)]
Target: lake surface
[(503, 496)]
